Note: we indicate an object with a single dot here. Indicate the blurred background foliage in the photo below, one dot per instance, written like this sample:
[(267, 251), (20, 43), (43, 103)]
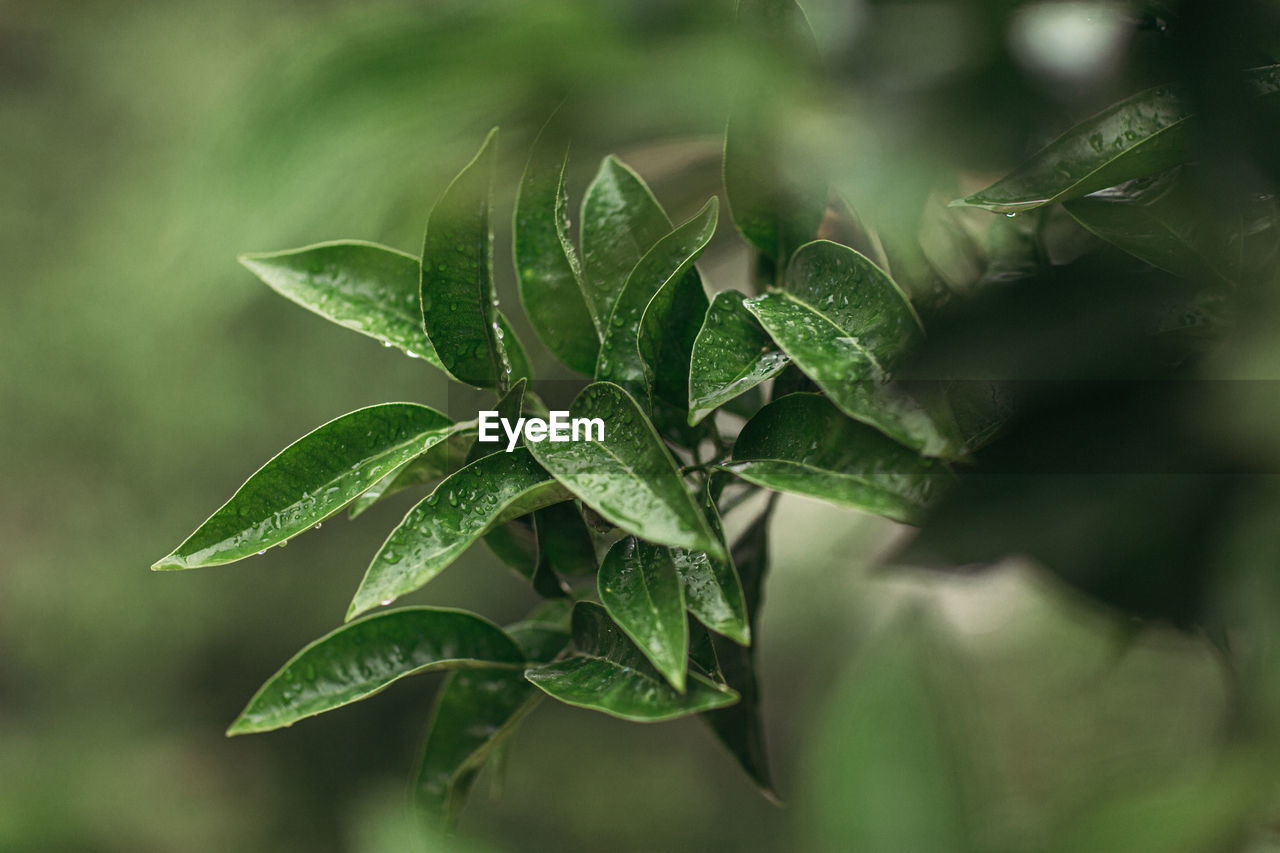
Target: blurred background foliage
[(143, 373)]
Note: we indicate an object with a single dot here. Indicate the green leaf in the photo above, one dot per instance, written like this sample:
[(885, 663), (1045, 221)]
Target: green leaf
[(712, 591), (731, 355), (639, 586), (459, 303), (465, 506), (846, 325), (1141, 135), (440, 460), (547, 265), (621, 220), (629, 477), (362, 658), (510, 408), (669, 261), (609, 674), (801, 443), (365, 287), (564, 543), (310, 480)]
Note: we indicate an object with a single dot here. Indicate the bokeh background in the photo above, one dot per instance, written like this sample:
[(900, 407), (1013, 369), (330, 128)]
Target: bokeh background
[(144, 375)]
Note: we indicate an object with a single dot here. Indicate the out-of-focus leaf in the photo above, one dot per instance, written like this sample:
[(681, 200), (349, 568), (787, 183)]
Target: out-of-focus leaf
[(629, 477), (459, 303), (1139, 136), (731, 355), (609, 674), (547, 264), (564, 542), (362, 658), (440, 460), (465, 506), (621, 220), (639, 586), (801, 443), (365, 287), (712, 591), (310, 480), (668, 263)]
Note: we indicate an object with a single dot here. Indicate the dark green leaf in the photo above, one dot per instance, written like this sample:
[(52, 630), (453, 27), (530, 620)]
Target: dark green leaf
[(801, 443), (509, 408), (731, 355), (547, 265), (1139, 136), (440, 460), (465, 506), (629, 477), (669, 261), (640, 588), (365, 287), (362, 658), (564, 542), (712, 591), (459, 303), (310, 480), (621, 220), (608, 673)]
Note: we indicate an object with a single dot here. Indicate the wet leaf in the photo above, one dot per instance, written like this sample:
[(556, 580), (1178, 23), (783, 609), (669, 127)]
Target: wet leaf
[(310, 480), (440, 460), (640, 587), (712, 591), (731, 354)]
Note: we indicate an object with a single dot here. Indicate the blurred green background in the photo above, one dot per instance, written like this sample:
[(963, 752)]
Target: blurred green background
[(144, 375)]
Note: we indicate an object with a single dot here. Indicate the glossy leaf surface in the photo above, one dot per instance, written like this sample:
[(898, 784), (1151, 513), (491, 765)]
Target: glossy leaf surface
[(609, 674), (441, 459), (629, 477), (310, 480), (731, 354), (362, 658), (621, 220), (712, 591), (464, 507), (802, 443), (639, 586), (547, 265)]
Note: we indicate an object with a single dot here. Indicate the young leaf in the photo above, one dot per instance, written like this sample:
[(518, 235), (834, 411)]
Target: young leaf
[(609, 674), (362, 658), (1141, 135), (712, 591), (547, 265), (459, 303), (629, 477), (731, 354), (639, 586), (621, 220), (310, 480), (440, 460), (801, 443), (365, 287), (669, 261), (465, 506)]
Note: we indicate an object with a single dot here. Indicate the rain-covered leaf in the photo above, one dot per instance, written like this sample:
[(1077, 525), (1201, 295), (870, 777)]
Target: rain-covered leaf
[(465, 506), (369, 288), (362, 658), (731, 355), (712, 591), (459, 303), (440, 460), (621, 220), (629, 477), (310, 480), (801, 443), (669, 264), (547, 264), (639, 586), (608, 673), (1139, 136), (668, 329)]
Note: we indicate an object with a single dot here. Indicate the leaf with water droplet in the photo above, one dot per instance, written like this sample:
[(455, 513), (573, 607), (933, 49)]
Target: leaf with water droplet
[(731, 355), (364, 657), (639, 586), (310, 480), (712, 591), (440, 460)]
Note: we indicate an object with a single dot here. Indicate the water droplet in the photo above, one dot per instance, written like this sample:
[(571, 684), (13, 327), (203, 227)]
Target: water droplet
[(1011, 215), (386, 343), (385, 602), (317, 527), (263, 551)]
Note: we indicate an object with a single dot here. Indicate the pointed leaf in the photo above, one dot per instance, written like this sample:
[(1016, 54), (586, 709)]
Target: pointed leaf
[(465, 506), (712, 591), (629, 477), (362, 658), (731, 355), (670, 260), (609, 674), (1141, 135), (310, 480), (440, 460), (547, 265), (801, 443), (564, 543), (640, 588), (621, 220)]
